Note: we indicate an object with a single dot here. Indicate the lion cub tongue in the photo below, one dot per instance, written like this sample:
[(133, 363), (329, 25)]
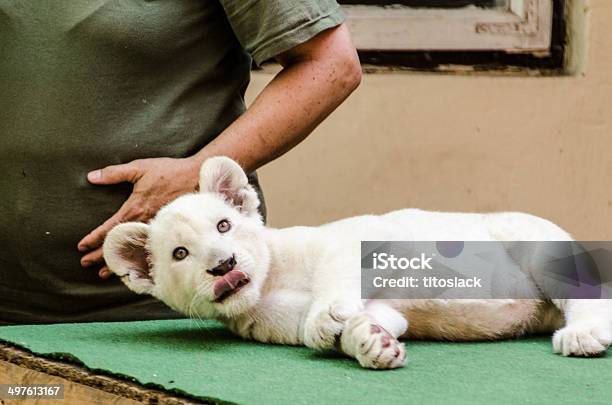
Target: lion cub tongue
[(229, 282)]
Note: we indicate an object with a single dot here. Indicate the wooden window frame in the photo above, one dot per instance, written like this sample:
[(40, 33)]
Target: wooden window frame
[(525, 27)]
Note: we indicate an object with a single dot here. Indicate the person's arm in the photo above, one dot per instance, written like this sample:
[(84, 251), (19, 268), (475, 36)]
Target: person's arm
[(316, 77)]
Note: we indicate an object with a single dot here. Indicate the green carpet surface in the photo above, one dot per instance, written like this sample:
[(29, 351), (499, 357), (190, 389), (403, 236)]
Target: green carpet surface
[(205, 360)]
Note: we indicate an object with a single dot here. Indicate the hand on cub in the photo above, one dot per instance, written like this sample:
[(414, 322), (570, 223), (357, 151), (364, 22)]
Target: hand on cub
[(157, 181)]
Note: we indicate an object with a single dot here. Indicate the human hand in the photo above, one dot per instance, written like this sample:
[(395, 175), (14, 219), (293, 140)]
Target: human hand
[(157, 181)]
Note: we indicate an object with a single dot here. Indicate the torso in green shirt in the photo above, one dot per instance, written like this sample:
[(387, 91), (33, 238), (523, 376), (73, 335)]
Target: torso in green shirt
[(89, 83), (85, 84)]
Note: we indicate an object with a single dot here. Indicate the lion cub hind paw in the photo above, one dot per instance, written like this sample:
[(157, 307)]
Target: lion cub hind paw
[(581, 340)]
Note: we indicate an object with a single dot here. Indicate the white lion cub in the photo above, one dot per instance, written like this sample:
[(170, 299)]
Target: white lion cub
[(208, 255)]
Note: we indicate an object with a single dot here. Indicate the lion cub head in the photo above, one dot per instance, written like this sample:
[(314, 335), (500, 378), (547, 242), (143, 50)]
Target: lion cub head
[(204, 253)]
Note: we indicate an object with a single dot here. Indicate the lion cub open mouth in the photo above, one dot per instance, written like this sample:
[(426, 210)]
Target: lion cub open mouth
[(229, 284)]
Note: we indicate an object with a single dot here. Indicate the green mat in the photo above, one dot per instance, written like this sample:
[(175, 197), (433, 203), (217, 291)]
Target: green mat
[(206, 361)]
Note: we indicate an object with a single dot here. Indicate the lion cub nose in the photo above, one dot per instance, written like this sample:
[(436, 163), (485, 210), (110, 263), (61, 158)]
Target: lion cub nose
[(224, 267)]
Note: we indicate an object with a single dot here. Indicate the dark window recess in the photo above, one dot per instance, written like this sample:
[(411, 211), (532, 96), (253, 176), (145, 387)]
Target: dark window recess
[(553, 63)]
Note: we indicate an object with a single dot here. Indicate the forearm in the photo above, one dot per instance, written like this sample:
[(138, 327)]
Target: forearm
[(306, 91)]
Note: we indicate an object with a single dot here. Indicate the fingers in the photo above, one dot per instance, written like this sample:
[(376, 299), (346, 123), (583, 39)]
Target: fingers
[(95, 258), (96, 237), (131, 210), (104, 273), (129, 172), (92, 258)]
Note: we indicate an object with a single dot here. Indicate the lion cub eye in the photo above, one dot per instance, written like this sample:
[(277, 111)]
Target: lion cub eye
[(180, 253), (223, 226)]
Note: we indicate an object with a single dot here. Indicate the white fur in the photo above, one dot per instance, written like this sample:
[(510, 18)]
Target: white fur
[(305, 281)]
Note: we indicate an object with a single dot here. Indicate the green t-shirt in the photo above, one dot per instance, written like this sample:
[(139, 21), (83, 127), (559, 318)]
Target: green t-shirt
[(90, 83)]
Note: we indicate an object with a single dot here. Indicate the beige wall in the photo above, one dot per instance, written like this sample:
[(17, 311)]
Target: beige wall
[(461, 143)]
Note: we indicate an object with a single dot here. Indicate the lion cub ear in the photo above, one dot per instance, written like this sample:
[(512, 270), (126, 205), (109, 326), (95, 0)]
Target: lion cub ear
[(221, 175), (126, 254)]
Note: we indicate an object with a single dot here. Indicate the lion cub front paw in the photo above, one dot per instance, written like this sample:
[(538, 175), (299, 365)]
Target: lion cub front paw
[(372, 345), (323, 329), (582, 339)]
